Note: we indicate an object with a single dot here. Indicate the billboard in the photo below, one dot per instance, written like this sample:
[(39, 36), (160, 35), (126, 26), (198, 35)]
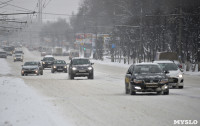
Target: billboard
[(82, 38)]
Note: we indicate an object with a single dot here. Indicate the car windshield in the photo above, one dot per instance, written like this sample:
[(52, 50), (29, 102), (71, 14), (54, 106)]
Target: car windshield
[(59, 62), (18, 51), (17, 55), (80, 61), (147, 69), (48, 59), (168, 66), (2, 52), (30, 63)]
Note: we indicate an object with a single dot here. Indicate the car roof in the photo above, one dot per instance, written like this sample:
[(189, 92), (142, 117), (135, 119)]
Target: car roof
[(79, 58), (146, 63), (48, 56), (32, 61), (163, 61)]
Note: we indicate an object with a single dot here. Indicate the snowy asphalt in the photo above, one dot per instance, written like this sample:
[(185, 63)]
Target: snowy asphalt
[(102, 101)]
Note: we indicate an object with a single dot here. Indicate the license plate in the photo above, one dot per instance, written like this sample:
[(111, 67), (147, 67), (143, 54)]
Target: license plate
[(49, 63), (82, 70), (171, 80), (60, 69)]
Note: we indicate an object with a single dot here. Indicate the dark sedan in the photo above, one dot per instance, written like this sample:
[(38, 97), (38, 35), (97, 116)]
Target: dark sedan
[(3, 54), (59, 66), (146, 77), (81, 67), (47, 61), (31, 68)]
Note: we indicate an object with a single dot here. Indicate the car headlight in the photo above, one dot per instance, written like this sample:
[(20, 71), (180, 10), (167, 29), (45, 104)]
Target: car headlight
[(65, 66), (164, 81), (43, 62), (74, 68), (137, 81), (54, 67), (180, 75), (89, 68)]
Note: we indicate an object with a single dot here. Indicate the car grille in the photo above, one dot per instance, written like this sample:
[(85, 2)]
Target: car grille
[(173, 80), (151, 81), (29, 69), (151, 84), (59, 67)]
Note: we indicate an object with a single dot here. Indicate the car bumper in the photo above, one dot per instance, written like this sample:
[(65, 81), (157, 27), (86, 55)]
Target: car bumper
[(60, 69), (3, 56), (174, 81), (79, 73), (18, 59), (47, 65), (29, 71), (150, 87)]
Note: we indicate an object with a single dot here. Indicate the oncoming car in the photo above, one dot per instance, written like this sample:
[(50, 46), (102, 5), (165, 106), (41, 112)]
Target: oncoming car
[(47, 61), (176, 79), (18, 57), (81, 67), (59, 66), (146, 77), (3, 54), (31, 67)]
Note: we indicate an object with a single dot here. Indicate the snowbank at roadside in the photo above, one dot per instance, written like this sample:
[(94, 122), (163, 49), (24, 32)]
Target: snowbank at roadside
[(107, 61), (22, 106), (4, 68)]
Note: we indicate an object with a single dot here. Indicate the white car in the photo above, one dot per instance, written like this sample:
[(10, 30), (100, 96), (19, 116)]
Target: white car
[(176, 78)]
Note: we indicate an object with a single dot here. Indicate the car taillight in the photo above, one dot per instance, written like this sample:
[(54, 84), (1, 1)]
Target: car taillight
[(180, 66)]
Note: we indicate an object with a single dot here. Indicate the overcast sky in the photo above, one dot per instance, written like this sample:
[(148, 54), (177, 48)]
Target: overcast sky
[(52, 6)]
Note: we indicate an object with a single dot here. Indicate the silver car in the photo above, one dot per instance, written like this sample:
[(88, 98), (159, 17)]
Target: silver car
[(176, 78)]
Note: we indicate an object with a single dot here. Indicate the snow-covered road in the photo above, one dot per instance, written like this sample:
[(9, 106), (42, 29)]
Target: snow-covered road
[(22, 106), (102, 101)]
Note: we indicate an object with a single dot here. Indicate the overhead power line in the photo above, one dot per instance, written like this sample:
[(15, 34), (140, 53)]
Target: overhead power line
[(16, 6), (18, 13), (10, 27), (6, 2)]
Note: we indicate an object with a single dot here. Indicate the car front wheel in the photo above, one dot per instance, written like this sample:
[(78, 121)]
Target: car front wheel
[(126, 88), (131, 92)]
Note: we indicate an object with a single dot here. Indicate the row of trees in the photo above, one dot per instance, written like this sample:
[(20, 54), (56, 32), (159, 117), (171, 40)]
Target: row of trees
[(144, 26)]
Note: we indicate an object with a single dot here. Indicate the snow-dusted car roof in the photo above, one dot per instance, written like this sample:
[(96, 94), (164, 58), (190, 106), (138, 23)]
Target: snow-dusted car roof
[(146, 63), (79, 58), (48, 56), (163, 61)]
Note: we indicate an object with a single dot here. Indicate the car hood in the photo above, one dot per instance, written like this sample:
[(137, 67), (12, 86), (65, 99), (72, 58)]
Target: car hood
[(82, 66), (30, 67), (48, 61), (150, 76), (174, 73), (60, 64)]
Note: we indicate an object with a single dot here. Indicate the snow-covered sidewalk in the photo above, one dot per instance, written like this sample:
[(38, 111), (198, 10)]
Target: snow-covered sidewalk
[(22, 106)]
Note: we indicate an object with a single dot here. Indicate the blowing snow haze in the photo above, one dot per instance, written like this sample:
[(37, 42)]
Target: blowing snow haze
[(53, 8)]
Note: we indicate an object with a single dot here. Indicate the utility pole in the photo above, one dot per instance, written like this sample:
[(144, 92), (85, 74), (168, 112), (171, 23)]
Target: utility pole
[(141, 36), (180, 34), (40, 12)]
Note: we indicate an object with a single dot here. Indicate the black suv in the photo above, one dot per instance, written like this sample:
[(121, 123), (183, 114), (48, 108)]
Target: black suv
[(81, 67), (59, 66), (146, 77), (47, 61)]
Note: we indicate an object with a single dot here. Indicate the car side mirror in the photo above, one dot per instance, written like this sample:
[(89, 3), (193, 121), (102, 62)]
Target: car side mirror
[(129, 73), (92, 63), (41, 60), (166, 71)]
